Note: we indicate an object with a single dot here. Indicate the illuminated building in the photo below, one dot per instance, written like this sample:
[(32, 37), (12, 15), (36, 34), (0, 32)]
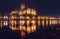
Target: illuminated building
[(25, 19)]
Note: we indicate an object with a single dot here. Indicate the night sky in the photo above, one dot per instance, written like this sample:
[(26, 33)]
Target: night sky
[(43, 7)]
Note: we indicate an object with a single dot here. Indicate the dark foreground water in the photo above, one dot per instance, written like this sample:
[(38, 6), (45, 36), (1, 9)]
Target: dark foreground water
[(49, 32)]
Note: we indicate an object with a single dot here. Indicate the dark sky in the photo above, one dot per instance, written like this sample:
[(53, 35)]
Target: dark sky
[(43, 7)]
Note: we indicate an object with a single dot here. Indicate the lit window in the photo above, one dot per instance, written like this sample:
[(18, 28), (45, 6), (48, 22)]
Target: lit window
[(5, 23), (5, 17)]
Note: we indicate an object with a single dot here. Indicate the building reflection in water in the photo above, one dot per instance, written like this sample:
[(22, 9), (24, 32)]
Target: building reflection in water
[(43, 23), (26, 20), (46, 22)]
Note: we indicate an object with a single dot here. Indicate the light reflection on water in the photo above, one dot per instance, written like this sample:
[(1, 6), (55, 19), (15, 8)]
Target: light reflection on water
[(29, 26), (28, 21)]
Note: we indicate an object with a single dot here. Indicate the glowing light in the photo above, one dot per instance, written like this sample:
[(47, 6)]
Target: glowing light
[(28, 29), (25, 20), (59, 21), (28, 22), (47, 22), (13, 28), (33, 22), (38, 17), (50, 22), (5, 17), (22, 22), (14, 12), (1, 25), (1, 17), (33, 12), (20, 13), (42, 17), (52, 18), (22, 28), (22, 6), (33, 28), (33, 17), (15, 23), (28, 11), (5, 23), (22, 34), (46, 17), (12, 17), (12, 22), (54, 22), (21, 17), (28, 17), (38, 22), (43, 23), (24, 12)]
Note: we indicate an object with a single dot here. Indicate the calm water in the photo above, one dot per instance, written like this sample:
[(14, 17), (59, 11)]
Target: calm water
[(49, 32)]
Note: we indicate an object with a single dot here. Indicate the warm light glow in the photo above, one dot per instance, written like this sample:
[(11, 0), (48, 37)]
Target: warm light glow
[(1, 17), (33, 28), (28, 22), (22, 28), (33, 17), (33, 12), (28, 11), (5, 17), (52, 18), (33, 22), (21, 17), (46, 22), (13, 22), (24, 12), (22, 33), (46, 17), (38, 22), (22, 22), (38, 17), (54, 22), (43, 23), (20, 13), (13, 28), (50, 22), (59, 21), (22, 6), (12, 17), (14, 12), (28, 17), (28, 29), (1, 25)]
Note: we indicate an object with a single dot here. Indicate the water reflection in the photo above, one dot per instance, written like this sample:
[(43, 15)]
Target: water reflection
[(28, 25), (38, 22), (46, 22), (27, 21), (1, 24), (43, 23), (31, 25)]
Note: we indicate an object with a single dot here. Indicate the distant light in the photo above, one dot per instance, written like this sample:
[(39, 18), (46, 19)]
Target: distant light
[(5, 23), (5, 17)]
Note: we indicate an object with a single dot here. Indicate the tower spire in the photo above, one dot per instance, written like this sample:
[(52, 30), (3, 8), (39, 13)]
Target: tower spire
[(22, 6)]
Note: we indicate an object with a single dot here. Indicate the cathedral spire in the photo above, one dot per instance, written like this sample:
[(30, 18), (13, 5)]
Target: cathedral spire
[(22, 6)]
